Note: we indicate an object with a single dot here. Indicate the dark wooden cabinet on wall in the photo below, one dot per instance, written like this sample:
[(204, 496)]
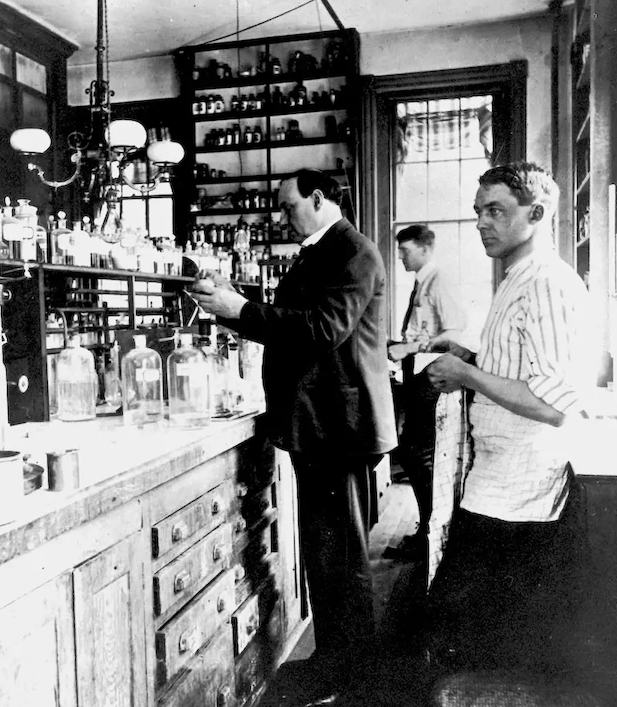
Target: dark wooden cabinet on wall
[(33, 94), (257, 110)]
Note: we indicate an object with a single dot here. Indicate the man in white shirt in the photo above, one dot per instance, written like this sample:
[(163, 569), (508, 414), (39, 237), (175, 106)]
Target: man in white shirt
[(497, 595), (434, 314)]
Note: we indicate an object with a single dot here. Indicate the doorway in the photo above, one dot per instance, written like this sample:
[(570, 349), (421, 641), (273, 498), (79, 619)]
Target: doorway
[(429, 137)]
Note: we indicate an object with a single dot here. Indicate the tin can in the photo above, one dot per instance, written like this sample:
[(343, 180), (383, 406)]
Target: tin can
[(63, 470)]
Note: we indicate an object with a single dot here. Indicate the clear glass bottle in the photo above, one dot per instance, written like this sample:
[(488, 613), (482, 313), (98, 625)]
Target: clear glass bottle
[(189, 385), (77, 382), (142, 384), (218, 365), (235, 381)]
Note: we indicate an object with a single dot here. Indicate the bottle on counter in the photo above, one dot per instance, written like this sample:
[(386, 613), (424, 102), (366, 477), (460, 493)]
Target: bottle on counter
[(76, 382), (189, 385), (142, 384), (235, 380), (218, 366)]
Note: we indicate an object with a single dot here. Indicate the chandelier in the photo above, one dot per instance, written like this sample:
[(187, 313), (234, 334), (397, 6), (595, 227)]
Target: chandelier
[(108, 146)]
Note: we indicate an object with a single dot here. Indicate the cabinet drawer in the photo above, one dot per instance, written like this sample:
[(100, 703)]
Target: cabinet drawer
[(245, 623), (179, 639), (253, 564), (208, 511), (208, 679), (184, 576), (252, 507)]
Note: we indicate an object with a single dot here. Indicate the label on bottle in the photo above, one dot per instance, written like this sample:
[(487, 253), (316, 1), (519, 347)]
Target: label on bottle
[(148, 375), (184, 369)]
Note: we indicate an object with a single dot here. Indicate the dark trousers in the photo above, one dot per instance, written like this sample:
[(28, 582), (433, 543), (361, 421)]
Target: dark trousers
[(504, 592), (417, 441), (334, 506)]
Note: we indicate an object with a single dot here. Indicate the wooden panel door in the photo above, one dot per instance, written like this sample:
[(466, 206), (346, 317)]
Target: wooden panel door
[(37, 651), (109, 627)]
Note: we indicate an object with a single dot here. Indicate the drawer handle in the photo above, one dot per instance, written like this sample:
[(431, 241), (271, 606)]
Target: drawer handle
[(241, 490), (264, 505), (188, 641), (182, 581), (217, 553), (239, 573), (221, 603), (224, 696), (251, 626), (262, 551), (179, 532), (240, 525), (216, 507)]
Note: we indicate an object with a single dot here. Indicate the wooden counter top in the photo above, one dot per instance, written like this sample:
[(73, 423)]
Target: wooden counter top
[(116, 463)]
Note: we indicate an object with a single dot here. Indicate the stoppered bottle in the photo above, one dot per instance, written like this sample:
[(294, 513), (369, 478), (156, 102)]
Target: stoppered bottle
[(142, 384)]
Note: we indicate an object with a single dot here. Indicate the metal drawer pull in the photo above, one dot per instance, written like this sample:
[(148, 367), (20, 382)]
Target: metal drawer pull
[(221, 603), (264, 505), (179, 531), (239, 573), (216, 507), (240, 525), (217, 553), (182, 581), (241, 490), (251, 626), (188, 641), (224, 696)]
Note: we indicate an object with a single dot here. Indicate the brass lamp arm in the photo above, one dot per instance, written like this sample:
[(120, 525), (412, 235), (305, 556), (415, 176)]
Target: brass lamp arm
[(76, 158), (144, 188)]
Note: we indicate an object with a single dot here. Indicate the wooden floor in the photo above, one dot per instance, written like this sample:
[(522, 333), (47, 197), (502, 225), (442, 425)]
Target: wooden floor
[(403, 678)]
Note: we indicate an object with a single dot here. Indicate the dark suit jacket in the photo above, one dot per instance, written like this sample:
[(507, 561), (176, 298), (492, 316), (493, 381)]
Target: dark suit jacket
[(325, 361)]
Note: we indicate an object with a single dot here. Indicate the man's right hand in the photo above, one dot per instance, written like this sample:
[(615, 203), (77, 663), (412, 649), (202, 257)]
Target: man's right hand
[(397, 352), (451, 347), (211, 276)]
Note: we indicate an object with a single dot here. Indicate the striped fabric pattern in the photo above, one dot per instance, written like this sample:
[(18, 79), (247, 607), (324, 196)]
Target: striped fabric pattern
[(539, 330)]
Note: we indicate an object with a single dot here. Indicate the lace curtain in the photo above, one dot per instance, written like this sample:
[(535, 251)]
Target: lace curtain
[(461, 125)]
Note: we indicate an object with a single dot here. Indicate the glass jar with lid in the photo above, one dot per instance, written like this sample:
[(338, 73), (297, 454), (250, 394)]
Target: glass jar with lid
[(142, 384), (189, 385)]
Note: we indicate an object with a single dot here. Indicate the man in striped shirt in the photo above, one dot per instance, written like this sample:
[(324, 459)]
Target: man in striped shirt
[(497, 594)]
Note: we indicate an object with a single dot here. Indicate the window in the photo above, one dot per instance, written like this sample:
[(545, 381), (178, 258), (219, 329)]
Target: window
[(442, 147)]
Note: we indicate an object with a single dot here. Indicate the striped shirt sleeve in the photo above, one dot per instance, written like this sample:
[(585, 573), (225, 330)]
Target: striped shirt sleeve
[(552, 343)]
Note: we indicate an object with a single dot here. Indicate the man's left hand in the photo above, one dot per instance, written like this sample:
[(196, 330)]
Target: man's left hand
[(447, 373), (221, 302)]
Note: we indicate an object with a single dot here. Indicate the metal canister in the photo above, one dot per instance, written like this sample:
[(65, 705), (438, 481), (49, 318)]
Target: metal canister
[(63, 470)]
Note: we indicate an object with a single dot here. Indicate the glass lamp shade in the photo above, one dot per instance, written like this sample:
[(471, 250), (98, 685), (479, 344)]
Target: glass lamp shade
[(127, 134), (165, 152), (32, 141)]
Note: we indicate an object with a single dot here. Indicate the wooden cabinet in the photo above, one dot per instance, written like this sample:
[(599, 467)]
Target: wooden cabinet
[(581, 127), (256, 111), (37, 648), (186, 594), (109, 627)]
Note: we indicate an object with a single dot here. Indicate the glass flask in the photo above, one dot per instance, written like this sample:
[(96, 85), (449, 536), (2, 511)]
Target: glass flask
[(111, 377), (189, 385), (76, 381), (142, 384)]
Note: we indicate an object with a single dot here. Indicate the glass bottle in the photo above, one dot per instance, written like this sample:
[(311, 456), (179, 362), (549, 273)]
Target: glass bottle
[(189, 385), (77, 382), (142, 384), (235, 381), (218, 366), (111, 377)]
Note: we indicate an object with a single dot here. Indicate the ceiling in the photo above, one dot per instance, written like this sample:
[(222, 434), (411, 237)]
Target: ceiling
[(140, 28)]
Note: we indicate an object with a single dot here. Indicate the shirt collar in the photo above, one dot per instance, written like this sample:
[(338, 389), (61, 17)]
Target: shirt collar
[(537, 254), (425, 271), (318, 235)]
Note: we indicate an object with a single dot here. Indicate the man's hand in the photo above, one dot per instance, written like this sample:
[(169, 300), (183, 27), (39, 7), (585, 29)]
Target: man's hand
[(221, 301), (214, 277), (397, 352), (439, 345), (447, 373)]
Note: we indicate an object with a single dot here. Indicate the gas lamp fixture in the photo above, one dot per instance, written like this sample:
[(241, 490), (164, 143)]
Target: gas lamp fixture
[(108, 146)]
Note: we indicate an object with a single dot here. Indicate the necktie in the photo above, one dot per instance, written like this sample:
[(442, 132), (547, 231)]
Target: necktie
[(407, 316)]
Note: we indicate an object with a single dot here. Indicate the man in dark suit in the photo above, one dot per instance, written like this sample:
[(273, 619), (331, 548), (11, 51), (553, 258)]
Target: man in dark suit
[(329, 403)]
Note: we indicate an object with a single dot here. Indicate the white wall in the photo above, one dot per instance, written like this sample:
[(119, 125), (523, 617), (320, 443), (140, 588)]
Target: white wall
[(388, 53), (461, 47), (136, 80)]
